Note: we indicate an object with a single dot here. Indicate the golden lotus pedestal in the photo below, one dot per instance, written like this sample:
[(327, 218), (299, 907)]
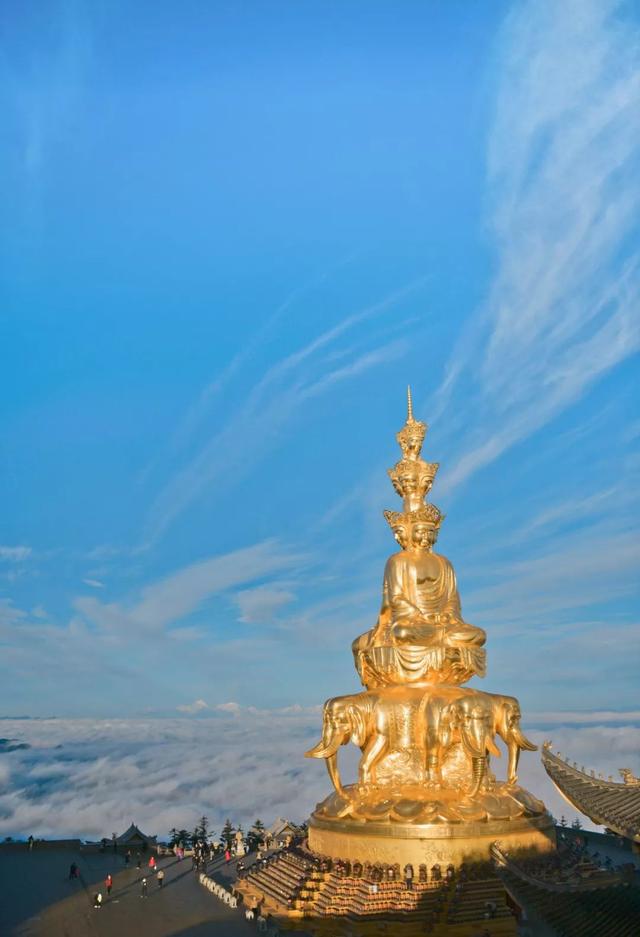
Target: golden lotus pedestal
[(443, 844), (523, 827)]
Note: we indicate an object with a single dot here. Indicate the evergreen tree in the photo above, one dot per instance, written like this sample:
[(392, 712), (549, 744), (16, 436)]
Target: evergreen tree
[(184, 838), (226, 836), (202, 830), (255, 836), (563, 820), (174, 837), (576, 825)]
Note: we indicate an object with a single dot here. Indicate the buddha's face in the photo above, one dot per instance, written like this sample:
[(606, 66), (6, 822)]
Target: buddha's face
[(412, 446), (408, 483), (400, 533), (422, 536)]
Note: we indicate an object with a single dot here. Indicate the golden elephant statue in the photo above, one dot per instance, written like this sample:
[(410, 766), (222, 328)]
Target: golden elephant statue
[(464, 717), (505, 715), (390, 720)]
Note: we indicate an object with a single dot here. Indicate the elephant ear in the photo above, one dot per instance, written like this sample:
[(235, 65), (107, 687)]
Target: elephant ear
[(359, 727)]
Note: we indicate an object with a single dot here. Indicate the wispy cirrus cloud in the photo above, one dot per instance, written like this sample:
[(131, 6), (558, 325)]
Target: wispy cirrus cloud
[(274, 400), (170, 599), (262, 603), (15, 554), (564, 178)]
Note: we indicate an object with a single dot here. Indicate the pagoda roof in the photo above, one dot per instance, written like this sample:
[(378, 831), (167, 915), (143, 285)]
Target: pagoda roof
[(134, 834), (608, 803), (282, 825)]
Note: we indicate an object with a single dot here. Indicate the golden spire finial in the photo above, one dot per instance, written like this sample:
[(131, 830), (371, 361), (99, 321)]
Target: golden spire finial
[(411, 436)]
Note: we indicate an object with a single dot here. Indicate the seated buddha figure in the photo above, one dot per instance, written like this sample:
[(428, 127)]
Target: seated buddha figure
[(420, 636)]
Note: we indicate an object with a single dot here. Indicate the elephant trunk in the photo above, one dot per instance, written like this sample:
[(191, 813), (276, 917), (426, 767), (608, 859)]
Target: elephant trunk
[(479, 767), (516, 742), (334, 774), (475, 740)]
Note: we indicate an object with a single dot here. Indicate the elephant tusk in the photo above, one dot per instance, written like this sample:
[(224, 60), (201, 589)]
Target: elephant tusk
[(321, 750), (523, 742)]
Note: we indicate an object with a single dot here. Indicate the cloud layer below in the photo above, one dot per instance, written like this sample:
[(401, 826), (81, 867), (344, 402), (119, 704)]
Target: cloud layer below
[(90, 778)]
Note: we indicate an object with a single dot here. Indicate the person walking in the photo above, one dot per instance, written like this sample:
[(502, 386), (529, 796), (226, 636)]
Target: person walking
[(109, 884), (152, 864), (97, 900), (160, 877), (143, 889), (127, 857), (138, 861)]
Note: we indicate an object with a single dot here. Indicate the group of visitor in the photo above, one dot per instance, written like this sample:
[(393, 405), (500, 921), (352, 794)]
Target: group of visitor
[(152, 865)]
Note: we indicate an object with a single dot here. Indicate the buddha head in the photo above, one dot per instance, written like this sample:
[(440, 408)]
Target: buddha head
[(400, 527), (412, 480), (411, 436), (424, 526)]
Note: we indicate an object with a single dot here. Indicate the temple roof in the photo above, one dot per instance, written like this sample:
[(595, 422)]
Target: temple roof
[(594, 908), (614, 805), (134, 834), (282, 826)]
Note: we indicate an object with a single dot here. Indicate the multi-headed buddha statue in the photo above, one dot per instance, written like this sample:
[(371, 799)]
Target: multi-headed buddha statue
[(420, 636), (426, 740)]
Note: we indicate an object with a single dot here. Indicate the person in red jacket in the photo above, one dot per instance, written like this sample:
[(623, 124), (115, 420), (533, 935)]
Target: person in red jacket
[(109, 883)]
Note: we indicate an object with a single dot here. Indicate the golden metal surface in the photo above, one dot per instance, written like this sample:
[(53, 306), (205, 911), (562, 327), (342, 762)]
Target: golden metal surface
[(426, 740), (458, 844)]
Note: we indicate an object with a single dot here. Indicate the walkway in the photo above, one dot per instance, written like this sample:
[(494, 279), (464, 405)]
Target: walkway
[(39, 900)]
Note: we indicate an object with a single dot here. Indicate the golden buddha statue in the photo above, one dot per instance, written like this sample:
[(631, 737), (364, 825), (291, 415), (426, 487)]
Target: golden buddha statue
[(425, 788), (420, 636)]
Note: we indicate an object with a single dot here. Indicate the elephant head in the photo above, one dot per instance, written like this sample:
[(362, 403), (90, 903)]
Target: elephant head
[(472, 718), (507, 725), (344, 720)]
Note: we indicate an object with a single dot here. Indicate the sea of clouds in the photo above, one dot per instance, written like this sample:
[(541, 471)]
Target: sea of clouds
[(88, 778)]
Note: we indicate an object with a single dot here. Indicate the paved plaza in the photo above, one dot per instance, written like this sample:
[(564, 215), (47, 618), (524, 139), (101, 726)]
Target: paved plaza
[(37, 898)]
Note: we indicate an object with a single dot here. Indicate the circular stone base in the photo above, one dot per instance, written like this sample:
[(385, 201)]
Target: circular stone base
[(441, 843)]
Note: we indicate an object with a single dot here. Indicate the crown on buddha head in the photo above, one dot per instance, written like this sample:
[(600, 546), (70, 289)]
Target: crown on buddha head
[(420, 471), (427, 514), (411, 436)]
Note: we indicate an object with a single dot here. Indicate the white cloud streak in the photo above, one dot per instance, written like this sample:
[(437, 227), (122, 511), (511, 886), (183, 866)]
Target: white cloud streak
[(14, 554), (172, 598), (270, 406), (197, 706), (565, 192)]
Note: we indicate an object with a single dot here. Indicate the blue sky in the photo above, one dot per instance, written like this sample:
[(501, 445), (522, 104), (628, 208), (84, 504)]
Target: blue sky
[(231, 233)]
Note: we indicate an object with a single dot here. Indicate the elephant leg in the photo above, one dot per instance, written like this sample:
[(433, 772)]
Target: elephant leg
[(370, 757)]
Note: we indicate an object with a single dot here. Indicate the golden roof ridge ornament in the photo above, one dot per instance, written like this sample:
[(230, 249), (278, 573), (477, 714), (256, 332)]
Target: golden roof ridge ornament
[(425, 737)]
